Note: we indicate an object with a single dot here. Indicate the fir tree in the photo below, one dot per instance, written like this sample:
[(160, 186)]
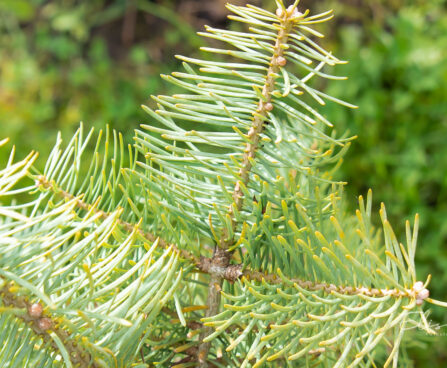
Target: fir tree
[(218, 239)]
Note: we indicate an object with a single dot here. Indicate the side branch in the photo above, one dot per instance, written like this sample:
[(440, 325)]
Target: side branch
[(259, 116), (219, 267), (221, 257), (418, 291), (42, 324), (204, 264), (41, 180)]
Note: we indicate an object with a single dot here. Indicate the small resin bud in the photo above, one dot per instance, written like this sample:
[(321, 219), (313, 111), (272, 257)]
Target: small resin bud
[(363, 290), (418, 286), (423, 294), (296, 14), (268, 106), (419, 301), (44, 323), (39, 180), (35, 310), (290, 9), (281, 61), (293, 12), (279, 12)]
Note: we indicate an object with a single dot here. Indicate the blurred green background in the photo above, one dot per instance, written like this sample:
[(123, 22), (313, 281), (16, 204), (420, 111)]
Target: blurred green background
[(70, 60)]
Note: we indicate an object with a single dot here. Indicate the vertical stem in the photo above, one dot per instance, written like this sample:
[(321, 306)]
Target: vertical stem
[(221, 259), (221, 255), (213, 302)]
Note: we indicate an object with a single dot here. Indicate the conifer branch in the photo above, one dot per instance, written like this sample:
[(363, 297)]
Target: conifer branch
[(232, 272), (204, 264), (43, 324), (309, 281), (259, 117)]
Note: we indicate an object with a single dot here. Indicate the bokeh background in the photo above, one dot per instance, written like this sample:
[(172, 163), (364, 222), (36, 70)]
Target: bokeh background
[(66, 61)]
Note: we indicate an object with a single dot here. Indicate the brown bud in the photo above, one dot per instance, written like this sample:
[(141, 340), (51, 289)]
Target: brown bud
[(268, 106), (281, 61), (35, 310), (44, 323)]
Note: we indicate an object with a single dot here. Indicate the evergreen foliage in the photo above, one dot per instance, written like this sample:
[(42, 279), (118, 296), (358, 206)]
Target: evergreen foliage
[(219, 239)]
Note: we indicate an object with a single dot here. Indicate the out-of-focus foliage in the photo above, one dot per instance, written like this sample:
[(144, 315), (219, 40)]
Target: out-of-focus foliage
[(96, 61)]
